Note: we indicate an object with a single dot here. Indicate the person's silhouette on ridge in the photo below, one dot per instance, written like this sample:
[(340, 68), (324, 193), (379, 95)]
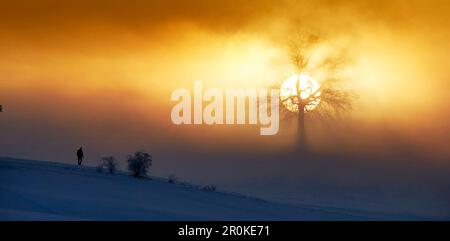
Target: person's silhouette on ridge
[(80, 156)]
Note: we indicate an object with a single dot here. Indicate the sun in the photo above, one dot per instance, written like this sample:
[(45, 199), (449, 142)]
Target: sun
[(309, 92)]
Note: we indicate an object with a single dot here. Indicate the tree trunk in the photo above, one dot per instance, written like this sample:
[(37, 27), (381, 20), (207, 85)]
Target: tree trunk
[(301, 128), (301, 119)]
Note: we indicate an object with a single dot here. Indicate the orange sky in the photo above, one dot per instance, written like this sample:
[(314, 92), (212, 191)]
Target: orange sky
[(101, 72)]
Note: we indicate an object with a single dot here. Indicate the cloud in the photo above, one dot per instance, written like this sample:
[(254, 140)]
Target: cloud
[(99, 52), (139, 15)]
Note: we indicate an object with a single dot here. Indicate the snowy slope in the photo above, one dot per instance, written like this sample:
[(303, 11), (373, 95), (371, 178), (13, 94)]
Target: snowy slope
[(38, 190)]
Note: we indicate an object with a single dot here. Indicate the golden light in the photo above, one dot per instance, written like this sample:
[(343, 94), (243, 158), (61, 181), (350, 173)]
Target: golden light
[(308, 89)]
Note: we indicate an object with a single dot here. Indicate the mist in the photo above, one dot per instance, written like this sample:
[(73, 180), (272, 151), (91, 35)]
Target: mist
[(99, 75)]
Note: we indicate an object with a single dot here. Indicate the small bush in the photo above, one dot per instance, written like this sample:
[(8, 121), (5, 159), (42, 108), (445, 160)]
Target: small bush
[(210, 188), (110, 163), (172, 179), (139, 163)]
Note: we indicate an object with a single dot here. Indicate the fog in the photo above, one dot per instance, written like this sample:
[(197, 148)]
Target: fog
[(100, 75)]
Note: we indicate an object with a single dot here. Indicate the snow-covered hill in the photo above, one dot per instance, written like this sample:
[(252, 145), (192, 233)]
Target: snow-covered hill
[(39, 190)]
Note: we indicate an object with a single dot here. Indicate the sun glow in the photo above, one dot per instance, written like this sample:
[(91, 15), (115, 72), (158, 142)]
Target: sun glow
[(309, 91)]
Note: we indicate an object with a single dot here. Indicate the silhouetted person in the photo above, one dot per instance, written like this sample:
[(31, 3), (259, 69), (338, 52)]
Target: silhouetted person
[(80, 156)]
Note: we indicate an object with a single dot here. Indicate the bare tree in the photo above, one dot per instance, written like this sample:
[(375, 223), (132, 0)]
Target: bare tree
[(139, 163), (109, 162), (332, 98)]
